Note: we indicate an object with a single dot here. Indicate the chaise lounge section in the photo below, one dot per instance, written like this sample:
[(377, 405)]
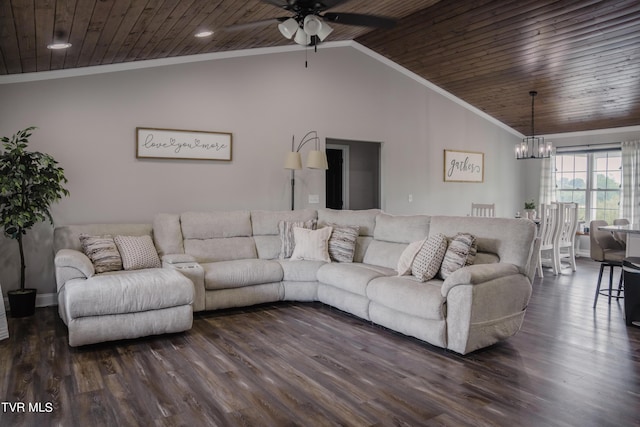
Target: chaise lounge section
[(235, 259)]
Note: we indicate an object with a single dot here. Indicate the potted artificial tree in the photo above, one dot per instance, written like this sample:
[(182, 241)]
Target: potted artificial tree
[(29, 183)]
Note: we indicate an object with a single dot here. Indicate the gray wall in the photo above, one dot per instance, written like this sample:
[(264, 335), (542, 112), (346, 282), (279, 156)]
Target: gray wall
[(88, 124)]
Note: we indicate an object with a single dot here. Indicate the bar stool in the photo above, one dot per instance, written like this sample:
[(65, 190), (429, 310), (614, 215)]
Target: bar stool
[(606, 250)]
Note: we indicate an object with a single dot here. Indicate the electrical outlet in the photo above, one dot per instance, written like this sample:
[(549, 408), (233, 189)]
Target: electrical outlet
[(314, 198), (410, 198)]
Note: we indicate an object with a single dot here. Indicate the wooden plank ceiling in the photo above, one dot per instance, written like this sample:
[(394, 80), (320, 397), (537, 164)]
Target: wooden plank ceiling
[(582, 56)]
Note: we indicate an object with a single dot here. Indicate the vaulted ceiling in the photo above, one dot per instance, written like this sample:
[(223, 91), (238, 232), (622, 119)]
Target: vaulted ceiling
[(581, 56)]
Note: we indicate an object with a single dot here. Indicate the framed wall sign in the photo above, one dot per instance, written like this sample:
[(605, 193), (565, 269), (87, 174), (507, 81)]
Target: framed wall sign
[(182, 144), (463, 166)]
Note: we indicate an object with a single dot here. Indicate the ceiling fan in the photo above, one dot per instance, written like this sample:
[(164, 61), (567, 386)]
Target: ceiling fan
[(309, 24)]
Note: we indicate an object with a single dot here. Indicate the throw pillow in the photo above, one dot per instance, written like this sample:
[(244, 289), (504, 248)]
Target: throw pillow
[(102, 252), (286, 235), (137, 252), (312, 245), (342, 243), (407, 257), (427, 262), (458, 254)]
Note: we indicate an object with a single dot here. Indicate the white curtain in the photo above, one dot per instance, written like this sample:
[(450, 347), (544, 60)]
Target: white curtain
[(547, 181), (631, 181)]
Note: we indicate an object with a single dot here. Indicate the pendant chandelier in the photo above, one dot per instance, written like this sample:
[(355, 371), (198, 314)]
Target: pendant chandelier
[(533, 147)]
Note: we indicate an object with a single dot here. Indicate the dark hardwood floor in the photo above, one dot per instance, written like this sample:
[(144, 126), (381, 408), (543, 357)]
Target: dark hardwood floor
[(309, 364)]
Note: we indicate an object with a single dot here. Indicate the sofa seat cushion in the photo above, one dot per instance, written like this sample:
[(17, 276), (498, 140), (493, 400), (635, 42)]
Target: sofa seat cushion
[(408, 295), (300, 271), (351, 277), (130, 292), (240, 273)]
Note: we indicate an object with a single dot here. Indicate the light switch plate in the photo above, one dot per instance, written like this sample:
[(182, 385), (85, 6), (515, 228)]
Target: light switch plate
[(314, 198)]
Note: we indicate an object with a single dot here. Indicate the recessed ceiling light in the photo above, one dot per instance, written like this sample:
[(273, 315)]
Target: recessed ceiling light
[(58, 46), (203, 34)]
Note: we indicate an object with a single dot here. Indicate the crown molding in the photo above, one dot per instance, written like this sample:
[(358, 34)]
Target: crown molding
[(607, 131), (150, 63)]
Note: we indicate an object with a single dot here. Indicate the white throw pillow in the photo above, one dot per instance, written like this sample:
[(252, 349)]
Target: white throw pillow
[(137, 252), (311, 245), (407, 257), (287, 242)]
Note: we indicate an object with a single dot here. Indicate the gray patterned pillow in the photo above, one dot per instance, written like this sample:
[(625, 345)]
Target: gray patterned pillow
[(427, 262), (460, 252), (342, 243), (102, 252), (288, 243), (137, 252)]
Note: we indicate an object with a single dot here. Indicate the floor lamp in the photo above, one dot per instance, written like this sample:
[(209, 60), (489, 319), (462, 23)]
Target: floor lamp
[(316, 159)]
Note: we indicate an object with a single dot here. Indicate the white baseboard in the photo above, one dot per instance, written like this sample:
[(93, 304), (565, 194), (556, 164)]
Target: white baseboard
[(42, 300)]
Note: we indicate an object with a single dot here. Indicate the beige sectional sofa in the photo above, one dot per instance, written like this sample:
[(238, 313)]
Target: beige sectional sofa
[(232, 259)]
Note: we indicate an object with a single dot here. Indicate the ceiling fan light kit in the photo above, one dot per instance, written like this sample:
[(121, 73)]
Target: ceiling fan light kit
[(309, 24)]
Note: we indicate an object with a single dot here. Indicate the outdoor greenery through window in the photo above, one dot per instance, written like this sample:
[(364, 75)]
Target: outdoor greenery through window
[(593, 180)]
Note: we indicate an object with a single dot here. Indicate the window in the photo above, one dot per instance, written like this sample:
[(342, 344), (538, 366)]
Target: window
[(593, 180)]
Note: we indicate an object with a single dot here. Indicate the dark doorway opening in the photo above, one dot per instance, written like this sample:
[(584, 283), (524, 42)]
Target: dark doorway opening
[(335, 196), (353, 178)]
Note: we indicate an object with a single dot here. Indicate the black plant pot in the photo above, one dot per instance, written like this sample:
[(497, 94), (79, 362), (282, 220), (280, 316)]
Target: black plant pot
[(22, 302)]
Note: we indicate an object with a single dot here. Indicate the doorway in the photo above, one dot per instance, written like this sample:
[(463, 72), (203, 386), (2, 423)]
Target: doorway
[(353, 177)]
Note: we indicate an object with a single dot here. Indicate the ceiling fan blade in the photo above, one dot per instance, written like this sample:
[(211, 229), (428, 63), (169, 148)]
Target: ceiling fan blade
[(360, 20), (328, 4), (285, 4), (254, 24)]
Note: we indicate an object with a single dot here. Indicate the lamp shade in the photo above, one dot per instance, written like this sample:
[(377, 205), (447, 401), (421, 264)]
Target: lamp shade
[(302, 38), (293, 161), (324, 31), (317, 160), (288, 28), (312, 25)]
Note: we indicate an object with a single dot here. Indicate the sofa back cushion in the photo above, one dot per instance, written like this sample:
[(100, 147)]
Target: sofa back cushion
[(265, 229), (391, 236), (507, 240), (68, 236), (364, 219), (167, 234), (218, 236)]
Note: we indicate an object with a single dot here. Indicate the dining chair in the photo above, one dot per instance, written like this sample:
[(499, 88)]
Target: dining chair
[(621, 237), (567, 234), (483, 209), (548, 233), (609, 253)]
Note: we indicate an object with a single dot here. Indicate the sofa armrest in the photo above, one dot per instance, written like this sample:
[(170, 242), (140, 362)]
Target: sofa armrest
[(478, 273), (72, 264), (187, 265), (485, 304)]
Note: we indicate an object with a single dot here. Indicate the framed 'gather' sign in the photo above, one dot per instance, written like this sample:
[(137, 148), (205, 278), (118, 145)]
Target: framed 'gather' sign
[(182, 144), (463, 166)]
